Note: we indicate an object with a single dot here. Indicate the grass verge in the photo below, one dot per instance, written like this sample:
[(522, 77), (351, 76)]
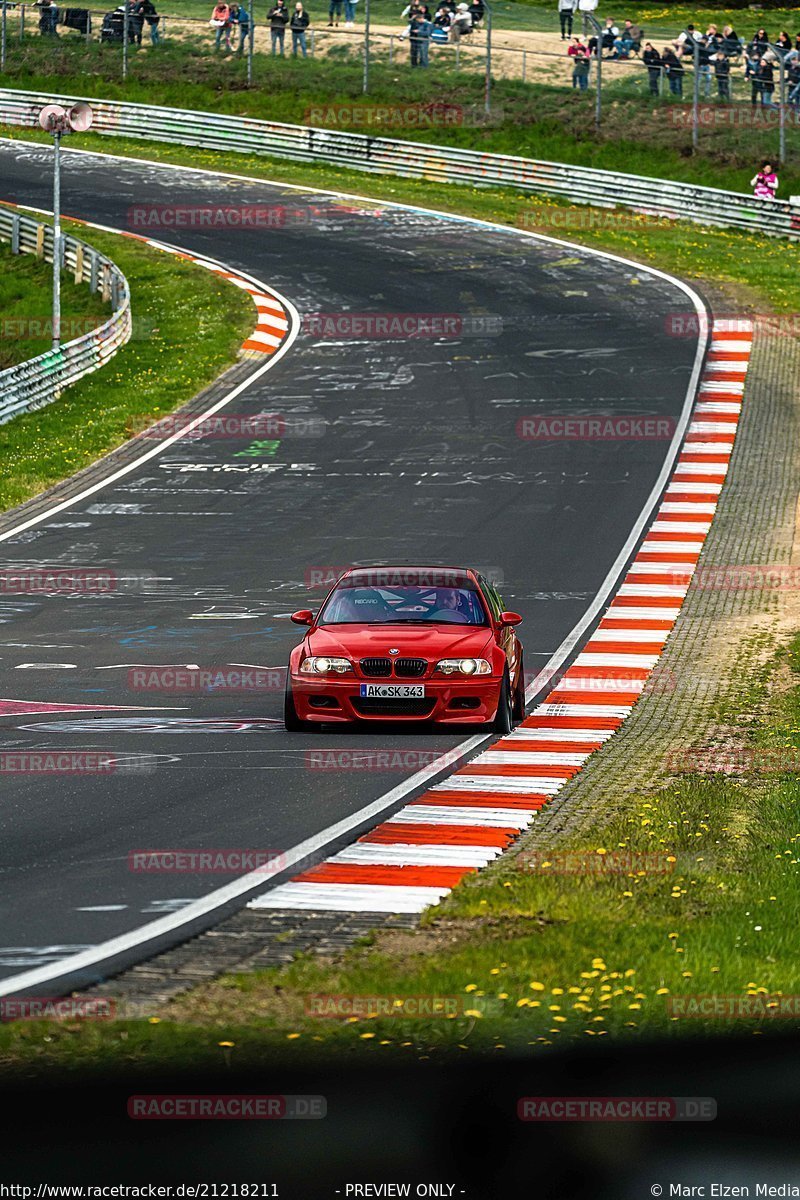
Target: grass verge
[(26, 284), (177, 348)]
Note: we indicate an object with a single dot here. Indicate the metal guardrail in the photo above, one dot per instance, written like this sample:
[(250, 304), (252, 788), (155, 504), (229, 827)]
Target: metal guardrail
[(33, 384), (421, 160)]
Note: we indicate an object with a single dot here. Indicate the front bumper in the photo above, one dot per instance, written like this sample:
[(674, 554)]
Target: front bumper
[(467, 701)]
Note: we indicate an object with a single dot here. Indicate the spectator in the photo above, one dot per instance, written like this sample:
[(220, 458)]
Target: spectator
[(461, 23), (136, 20), (278, 20), (704, 66), (48, 17), (684, 43), (240, 17), (793, 78), (146, 11), (760, 38), (350, 12), (566, 11), (730, 42), (419, 33), (628, 40), (722, 72), (298, 25), (715, 41), (765, 183), (476, 11), (221, 20), (576, 47), (784, 43), (609, 35), (334, 10), (580, 70), (652, 60), (752, 55), (764, 80), (674, 69), (442, 21)]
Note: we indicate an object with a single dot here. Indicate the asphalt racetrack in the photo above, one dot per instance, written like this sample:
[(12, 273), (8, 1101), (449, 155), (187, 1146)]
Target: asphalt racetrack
[(416, 457)]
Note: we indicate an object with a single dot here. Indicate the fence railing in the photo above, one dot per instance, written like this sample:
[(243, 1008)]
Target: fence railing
[(37, 382), (421, 160)]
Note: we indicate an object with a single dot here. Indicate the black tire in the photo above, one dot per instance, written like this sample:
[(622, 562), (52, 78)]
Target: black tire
[(504, 720), (290, 717), (519, 692)]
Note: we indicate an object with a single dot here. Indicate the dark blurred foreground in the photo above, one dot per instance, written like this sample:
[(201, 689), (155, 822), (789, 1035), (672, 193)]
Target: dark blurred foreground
[(428, 1124)]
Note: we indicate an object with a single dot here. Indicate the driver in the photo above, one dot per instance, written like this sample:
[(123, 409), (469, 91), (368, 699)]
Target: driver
[(449, 606)]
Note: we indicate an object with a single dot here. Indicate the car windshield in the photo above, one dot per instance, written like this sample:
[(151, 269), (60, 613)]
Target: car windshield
[(406, 604)]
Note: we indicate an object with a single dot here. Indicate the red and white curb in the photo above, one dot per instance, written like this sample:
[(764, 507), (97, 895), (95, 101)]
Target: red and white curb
[(417, 856), (273, 322)]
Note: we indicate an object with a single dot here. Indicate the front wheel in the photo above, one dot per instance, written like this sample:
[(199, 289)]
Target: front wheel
[(504, 719), (519, 692)]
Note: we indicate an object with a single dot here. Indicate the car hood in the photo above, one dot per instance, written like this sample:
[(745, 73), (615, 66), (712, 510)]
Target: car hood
[(415, 641)]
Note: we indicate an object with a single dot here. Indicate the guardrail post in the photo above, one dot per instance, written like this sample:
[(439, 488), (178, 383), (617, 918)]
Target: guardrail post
[(782, 103), (88, 27), (524, 63), (312, 42), (40, 241), (487, 103), (598, 33), (3, 36), (22, 22), (251, 34), (78, 276), (391, 48), (696, 94), (125, 41), (458, 54), (93, 272), (105, 282), (365, 87), (15, 233)]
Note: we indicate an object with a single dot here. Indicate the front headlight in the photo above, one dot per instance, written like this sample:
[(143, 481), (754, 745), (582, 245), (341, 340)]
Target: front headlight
[(320, 665), (464, 666)]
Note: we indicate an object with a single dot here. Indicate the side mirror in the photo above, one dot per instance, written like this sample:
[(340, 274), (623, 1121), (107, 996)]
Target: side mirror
[(303, 616), (509, 618)]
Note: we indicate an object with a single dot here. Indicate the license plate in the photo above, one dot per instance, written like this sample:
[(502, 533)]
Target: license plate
[(393, 691)]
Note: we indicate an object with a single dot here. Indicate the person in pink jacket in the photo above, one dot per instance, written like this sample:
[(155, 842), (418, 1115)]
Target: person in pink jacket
[(765, 183)]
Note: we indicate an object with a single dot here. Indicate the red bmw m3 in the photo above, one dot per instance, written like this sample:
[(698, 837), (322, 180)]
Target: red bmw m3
[(408, 644)]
